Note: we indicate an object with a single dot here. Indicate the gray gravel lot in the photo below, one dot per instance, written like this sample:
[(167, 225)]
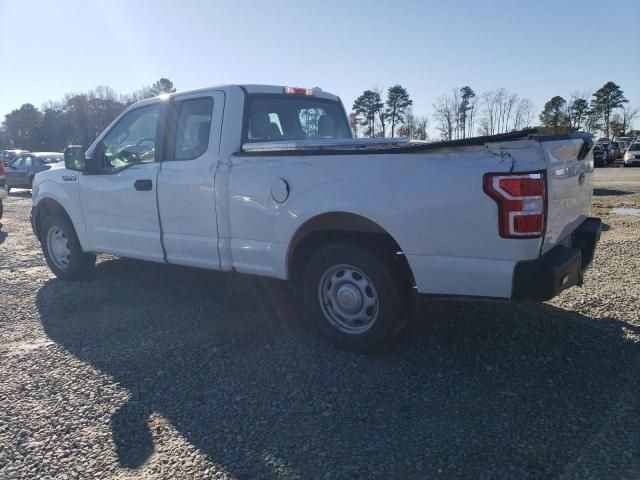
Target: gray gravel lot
[(149, 371)]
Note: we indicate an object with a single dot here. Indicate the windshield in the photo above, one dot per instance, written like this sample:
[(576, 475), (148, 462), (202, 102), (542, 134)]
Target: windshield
[(634, 147), (279, 117)]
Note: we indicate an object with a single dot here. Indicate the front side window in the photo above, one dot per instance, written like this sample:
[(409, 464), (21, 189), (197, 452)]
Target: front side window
[(133, 138), (282, 117), (193, 127), (17, 162)]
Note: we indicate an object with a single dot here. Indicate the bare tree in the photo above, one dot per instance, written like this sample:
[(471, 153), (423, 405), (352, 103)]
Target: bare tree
[(629, 114), (420, 132), (524, 114), (407, 129), (471, 116), (445, 115), (488, 122)]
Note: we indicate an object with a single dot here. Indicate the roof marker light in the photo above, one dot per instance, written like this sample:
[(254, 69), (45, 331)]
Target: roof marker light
[(297, 91)]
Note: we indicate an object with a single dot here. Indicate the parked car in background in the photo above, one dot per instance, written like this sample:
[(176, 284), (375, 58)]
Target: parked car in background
[(22, 169), (7, 156), (623, 144), (616, 152), (606, 146), (632, 155), (599, 156)]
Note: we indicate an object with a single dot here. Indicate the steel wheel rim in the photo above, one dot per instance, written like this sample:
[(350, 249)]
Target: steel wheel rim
[(348, 299), (58, 247)]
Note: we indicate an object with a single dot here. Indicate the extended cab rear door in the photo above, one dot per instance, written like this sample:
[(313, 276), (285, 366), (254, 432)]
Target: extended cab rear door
[(186, 195)]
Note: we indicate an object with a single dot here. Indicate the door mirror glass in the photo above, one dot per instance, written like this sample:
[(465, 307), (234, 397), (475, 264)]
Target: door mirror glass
[(74, 158)]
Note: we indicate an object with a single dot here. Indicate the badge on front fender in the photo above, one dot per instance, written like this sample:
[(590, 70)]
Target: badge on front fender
[(69, 178)]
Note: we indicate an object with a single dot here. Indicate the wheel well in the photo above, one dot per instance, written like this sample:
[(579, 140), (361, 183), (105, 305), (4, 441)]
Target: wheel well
[(334, 228), (48, 206)]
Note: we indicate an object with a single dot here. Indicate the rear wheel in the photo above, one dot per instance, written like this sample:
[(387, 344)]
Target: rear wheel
[(1, 209), (62, 249), (355, 299)]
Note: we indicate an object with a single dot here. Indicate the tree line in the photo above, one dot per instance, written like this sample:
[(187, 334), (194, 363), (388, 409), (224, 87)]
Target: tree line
[(606, 111), (461, 113), (78, 118)]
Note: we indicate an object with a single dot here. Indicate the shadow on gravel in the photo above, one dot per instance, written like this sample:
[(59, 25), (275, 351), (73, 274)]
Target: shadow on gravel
[(608, 192), (480, 390)]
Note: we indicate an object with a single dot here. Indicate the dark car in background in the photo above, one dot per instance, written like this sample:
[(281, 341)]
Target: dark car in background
[(599, 156), (7, 156), (606, 146), (20, 172)]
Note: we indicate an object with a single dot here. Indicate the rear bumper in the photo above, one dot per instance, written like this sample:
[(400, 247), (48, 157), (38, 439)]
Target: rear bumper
[(560, 268)]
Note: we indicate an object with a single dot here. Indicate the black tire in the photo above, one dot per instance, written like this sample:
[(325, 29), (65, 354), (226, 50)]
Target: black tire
[(80, 264), (390, 288), (1, 209)]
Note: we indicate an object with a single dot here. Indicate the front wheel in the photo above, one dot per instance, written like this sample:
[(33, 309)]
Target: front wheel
[(355, 298), (62, 249)]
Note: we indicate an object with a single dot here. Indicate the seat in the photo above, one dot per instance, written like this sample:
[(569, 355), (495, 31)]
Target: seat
[(263, 128), (203, 139), (326, 127)]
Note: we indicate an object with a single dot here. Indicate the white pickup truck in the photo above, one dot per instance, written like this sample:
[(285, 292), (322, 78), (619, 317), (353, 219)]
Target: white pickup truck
[(268, 180)]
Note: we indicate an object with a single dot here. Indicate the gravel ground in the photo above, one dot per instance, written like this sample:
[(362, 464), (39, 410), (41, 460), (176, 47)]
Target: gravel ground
[(149, 371)]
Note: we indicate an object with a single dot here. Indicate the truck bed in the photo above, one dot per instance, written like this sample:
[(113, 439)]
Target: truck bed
[(394, 145)]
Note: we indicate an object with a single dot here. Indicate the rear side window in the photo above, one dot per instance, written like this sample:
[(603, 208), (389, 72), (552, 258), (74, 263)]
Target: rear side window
[(193, 128), (54, 159), (281, 117)]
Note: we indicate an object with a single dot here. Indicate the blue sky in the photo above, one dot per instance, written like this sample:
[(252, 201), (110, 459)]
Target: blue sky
[(536, 49)]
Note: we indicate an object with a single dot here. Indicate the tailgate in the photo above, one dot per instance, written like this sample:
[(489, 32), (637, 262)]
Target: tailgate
[(569, 184)]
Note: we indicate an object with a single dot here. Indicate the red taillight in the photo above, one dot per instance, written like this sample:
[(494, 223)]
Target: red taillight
[(521, 202)]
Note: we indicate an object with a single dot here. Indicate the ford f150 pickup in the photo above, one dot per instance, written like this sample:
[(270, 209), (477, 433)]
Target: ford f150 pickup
[(268, 180)]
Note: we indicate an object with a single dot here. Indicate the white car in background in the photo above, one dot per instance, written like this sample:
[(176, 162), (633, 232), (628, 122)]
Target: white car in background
[(632, 155)]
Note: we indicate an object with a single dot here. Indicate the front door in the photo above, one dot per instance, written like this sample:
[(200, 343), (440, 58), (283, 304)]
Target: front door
[(119, 200)]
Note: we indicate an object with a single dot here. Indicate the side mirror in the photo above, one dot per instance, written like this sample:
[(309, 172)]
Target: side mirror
[(74, 158)]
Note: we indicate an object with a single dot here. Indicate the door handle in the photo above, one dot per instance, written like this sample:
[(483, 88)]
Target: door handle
[(143, 185)]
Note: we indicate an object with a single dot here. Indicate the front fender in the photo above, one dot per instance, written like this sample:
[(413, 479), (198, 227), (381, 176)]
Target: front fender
[(65, 194)]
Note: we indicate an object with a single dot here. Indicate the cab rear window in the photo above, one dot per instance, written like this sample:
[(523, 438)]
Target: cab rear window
[(272, 118)]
